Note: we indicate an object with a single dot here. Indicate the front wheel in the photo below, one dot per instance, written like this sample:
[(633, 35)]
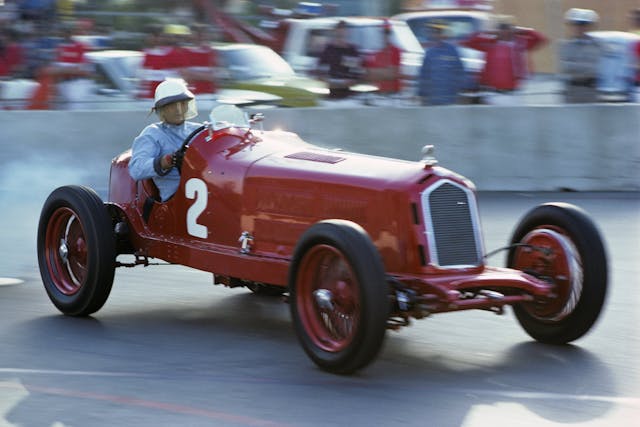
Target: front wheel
[(76, 250), (559, 243), (338, 296)]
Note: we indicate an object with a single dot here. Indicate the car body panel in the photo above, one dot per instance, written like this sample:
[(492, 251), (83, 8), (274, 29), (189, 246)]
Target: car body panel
[(256, 193), (258, 68), (617, 66)]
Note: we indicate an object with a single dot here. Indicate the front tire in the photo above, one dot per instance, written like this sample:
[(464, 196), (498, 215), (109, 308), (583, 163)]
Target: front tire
[(76, 250), (339, 297), (559, 243)]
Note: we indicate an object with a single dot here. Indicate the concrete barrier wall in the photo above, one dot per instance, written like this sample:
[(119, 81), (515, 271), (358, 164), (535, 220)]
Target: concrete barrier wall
[(584, 148)]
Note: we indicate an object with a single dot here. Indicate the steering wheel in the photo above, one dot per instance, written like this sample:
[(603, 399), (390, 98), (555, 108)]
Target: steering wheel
[(187, 140)]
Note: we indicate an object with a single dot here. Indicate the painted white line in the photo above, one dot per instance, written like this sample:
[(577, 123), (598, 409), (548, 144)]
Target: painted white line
[(70, 373), (627, 400), (10, 281), (11, 394)]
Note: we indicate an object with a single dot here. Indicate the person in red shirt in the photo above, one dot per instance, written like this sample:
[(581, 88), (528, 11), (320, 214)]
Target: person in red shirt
[(11, 54), (506, 60), (383, 67), (72, 71), (199, 70), (164, 58)]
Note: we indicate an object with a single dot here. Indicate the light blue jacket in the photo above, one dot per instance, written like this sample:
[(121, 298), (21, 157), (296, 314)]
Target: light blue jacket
[(155, 141)]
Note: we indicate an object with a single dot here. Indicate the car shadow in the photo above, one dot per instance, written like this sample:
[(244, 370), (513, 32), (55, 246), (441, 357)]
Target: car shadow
[(564, 384)]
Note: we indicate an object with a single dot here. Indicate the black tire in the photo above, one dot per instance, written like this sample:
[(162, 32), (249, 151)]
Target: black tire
[(345, 331), (575, 261), (76, 250)]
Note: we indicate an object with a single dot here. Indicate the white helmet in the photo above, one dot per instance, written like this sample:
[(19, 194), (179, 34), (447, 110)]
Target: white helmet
[(581, 16), (175, 90)]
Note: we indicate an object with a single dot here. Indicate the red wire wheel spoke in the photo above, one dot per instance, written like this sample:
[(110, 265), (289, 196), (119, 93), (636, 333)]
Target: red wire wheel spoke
[(328, 298), (66, 251), (550, 254)]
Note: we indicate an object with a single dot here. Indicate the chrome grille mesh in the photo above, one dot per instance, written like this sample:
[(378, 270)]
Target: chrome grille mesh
[(452, 226)]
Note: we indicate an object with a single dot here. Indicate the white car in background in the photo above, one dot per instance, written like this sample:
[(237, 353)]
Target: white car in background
[(305, 39), (617, 65)]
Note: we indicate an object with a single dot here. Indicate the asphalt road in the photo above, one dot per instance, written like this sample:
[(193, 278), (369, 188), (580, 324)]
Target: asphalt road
[(171, 349)]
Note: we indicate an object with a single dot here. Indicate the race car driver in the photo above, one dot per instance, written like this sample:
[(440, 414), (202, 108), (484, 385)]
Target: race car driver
[(156, 151)]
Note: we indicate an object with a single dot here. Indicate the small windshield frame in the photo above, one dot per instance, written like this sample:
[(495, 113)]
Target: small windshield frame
[(227, 116)]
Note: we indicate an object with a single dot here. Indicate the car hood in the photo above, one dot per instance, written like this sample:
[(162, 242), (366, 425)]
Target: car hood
[(296, 161)]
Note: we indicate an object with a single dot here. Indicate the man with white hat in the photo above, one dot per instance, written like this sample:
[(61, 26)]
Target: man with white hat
[(579, 57), (156, 151)]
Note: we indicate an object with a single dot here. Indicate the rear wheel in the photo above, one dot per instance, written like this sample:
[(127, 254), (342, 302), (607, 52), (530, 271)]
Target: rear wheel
[(76, 250), (559, 243), (338, 296)]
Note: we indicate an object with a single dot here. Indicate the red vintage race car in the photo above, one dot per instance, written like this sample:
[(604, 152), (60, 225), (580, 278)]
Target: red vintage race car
[(360, 244)]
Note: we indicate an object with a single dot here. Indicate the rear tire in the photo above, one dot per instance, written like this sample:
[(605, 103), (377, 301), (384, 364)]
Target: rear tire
[(76, 250), (575, 261), (339, 297)]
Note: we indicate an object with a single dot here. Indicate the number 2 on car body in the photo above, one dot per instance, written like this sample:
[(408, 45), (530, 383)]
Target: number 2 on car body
[(196, 189)]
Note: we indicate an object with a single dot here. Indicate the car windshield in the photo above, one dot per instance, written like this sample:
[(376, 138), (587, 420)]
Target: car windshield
[(225, 116), (370, 38), (253, 62), (458, 27)]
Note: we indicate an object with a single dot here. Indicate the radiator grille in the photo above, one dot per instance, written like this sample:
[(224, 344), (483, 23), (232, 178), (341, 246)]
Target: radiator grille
[(452, 226)]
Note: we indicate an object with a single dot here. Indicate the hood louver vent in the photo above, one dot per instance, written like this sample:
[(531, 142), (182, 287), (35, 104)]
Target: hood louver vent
[(315, 157)]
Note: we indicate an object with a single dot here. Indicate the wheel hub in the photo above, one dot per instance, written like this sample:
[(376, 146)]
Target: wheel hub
[(324, 299), (63, 251)]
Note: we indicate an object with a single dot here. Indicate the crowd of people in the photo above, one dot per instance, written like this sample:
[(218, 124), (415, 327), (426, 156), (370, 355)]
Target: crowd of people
[(443, 79), (36, 48)]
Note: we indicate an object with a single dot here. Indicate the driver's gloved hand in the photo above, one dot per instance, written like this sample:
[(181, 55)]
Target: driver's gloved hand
[(176, 159)]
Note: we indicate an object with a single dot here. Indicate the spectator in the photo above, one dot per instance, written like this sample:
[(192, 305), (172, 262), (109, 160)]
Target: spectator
[(163, 58), (72, 70), (579, 57), (199, 70), (39, 50), (635, 21), (506, 60), (340, 63), (12, 59), (383, 67), (40, 12), (442, 75), (635, 29)]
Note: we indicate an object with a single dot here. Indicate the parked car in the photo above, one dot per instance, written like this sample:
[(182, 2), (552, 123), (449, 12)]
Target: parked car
[(259, 68), (117, 82), (617, 65), (116, 71), (360, 244), (460, 26), (302, 41)]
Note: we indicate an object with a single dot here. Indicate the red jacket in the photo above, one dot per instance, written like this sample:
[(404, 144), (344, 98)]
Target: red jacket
[(158, 64), (389, 56), (71, 52), (11, 59), (204, 58), (506, 62)]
